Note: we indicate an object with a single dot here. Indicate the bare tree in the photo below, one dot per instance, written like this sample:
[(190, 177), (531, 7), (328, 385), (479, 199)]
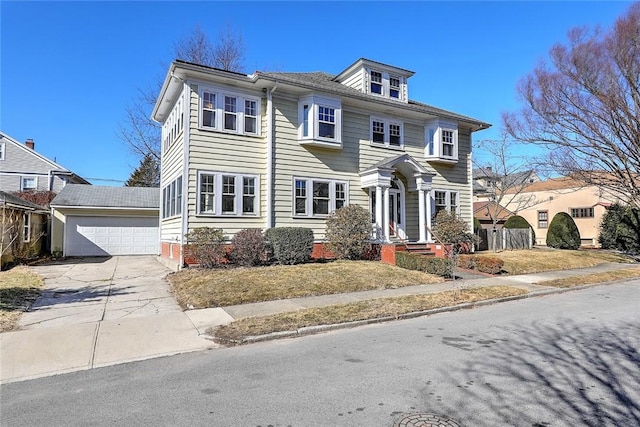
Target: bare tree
[(228, 53), (141, 134), (505, 176), (585, 107)]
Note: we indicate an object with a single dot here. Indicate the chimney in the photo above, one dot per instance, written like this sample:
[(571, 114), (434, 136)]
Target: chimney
[(30, 144)]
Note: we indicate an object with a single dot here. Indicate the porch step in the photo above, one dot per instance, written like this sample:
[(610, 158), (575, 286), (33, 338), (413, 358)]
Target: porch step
[(419, 248)]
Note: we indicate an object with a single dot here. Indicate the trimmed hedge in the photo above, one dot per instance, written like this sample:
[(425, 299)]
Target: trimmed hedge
[(483, 263), (563, 232), (291, 245), (427, 264), (349, 232), (249, 247), (207, 246), (489, 264)]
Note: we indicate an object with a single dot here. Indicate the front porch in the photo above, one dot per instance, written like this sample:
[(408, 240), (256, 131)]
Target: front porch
[(399, 200)]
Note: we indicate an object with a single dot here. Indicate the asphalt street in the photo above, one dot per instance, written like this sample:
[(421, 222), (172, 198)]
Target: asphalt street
[(560, 360)]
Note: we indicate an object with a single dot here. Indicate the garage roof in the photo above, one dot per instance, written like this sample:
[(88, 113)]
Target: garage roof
[(79, 195)]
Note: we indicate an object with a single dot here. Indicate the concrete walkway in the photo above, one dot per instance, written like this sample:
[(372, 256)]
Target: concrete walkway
[(99, 312)]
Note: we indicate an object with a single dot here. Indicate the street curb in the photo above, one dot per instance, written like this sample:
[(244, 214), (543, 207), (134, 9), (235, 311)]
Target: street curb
[(311, 330)]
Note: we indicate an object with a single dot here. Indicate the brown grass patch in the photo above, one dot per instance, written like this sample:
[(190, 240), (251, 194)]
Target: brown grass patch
[(235, 332), (219, 288), (538, 260), (19, 287), (609, 276)]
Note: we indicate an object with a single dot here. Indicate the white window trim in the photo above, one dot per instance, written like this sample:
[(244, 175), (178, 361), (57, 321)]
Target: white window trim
[(314, 102), (434, 146), (386, 84), (2, 150), (26, 228), (172, 199), (220, 95), (173, 126), (387, 134), (35, 180), (447, 200), (309, 196), (239, 193)]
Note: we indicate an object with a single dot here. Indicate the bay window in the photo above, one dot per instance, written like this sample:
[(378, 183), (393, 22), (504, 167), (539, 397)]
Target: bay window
[(441, 141), (320, 121)]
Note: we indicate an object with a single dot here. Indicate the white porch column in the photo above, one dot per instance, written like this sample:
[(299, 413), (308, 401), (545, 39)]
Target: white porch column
[(385, 224), (421, 216), (379, 211), (428, 206)]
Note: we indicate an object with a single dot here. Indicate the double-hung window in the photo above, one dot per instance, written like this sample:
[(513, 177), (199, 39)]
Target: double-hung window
[(543, 219), (318, 197), (394, 87), (445, 200), (386, 132), (208, 108), (227, 194), (250, 116), (29, 183), (376, 82), (172, 198), (229, 112), (320, 121)]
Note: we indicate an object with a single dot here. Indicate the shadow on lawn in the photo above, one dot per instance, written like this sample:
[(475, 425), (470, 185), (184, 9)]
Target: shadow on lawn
[(569, 374)]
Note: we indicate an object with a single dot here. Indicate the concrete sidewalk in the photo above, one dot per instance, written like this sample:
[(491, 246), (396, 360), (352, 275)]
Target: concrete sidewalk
[(126, 313)]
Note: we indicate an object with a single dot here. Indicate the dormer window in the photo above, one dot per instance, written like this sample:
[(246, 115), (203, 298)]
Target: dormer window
[(376, 82), (441, 141), (385, 84), (394, 87), (320, 121)]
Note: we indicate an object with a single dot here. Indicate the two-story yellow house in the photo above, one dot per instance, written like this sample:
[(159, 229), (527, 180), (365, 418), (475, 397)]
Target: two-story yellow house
[(275, 149)]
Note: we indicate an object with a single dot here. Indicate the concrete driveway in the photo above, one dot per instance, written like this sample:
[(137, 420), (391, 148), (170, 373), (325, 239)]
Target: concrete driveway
[(96, 312)]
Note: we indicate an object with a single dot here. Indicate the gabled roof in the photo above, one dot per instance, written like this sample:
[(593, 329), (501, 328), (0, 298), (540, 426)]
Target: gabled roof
[(54, 166), (311, 81), (9, 200), (483, 210), (553, 184), (325, 82), (391, 162), (78, 195)]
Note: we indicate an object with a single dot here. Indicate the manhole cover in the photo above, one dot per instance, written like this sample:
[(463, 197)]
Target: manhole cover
[(426, 420)]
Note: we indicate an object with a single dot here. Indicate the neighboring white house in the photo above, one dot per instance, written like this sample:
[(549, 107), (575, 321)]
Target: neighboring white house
[(278, 149), (22, 168)]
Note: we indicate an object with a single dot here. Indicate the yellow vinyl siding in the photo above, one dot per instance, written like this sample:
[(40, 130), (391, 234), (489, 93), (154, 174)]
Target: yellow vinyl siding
[(218, 151)]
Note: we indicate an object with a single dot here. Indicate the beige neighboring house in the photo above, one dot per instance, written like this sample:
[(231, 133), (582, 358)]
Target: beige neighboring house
[(22, 168), (23, 227), (275, 149), (586, 205)]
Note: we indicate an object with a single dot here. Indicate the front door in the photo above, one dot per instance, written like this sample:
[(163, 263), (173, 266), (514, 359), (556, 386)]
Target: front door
[(395, 214)]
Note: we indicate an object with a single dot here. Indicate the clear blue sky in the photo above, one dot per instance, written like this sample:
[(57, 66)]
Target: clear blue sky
[(69, 69)]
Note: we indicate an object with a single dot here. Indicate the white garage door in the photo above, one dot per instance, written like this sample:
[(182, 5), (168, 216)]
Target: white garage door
[(100, 236)]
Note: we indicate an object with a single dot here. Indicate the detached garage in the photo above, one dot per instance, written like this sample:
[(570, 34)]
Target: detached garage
[(90, 220)]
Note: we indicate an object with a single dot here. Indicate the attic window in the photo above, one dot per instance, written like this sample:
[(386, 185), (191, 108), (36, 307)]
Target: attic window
[(376, 82), (394, 87)]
